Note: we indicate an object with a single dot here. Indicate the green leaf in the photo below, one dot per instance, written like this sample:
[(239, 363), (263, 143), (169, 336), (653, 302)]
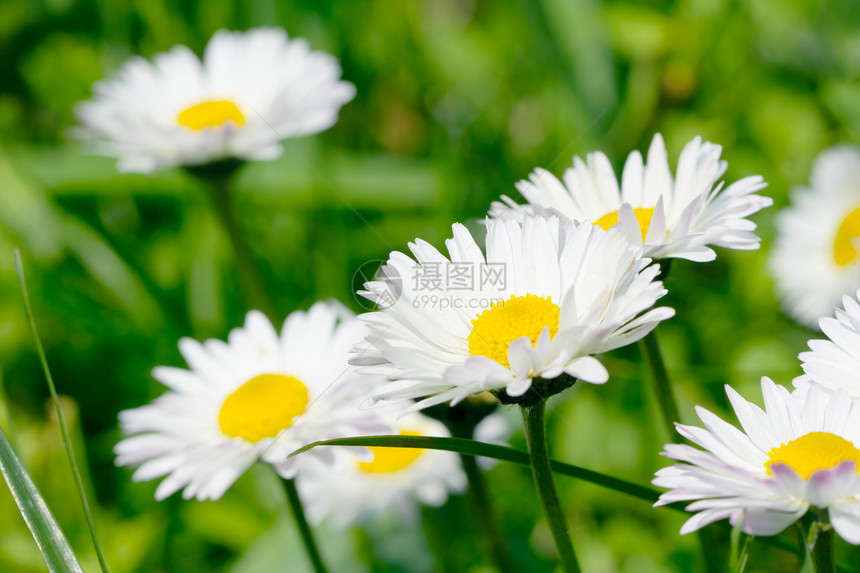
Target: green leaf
[(496, 452), (48, 535)]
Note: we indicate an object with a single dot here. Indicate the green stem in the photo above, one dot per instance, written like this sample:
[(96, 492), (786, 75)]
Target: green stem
[(535, 430), (436, 534), (363, 543), (662, 388), (250, 277), (650, 349), (302, 523), (483, 509), (61, 421), (816, 545)]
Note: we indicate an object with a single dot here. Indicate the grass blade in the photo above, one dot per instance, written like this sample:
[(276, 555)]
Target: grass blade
[(496, 452), (64, 431), (48, 535)]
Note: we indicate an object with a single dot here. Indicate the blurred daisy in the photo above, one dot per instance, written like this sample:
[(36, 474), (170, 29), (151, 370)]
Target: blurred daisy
[(251, 90), (394, 479), (257, 395), (815, 256), (799, 454), (834, 364), (671, 218), (546, 296)]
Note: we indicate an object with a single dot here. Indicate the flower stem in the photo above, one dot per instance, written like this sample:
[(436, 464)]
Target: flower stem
[(250, 278), (816, 545), (650, 348), (436, 534), (302, 523), (61, 421), (535, 430), (486, 515)]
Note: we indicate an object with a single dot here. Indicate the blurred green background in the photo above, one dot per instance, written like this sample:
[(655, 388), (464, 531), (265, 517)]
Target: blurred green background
[(456, 101)]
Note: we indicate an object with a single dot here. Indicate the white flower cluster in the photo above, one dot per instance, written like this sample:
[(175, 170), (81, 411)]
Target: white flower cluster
[(521, 313)]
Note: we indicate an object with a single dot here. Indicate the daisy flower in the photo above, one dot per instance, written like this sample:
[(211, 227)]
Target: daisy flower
[(678, 218), (250, 90), (546, 297), (257, 395), (815, 256), (393, 479), (800, 453), (834, 364)]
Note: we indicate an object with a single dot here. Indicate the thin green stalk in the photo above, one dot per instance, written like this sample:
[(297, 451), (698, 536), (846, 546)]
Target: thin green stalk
[(363, 543), (662, 387), (535, 429), (436, 534), (739, 552), (815, 539), (485, 514), (64, 431), (302, 523), (250, 278), (650, 349), (8, 421)]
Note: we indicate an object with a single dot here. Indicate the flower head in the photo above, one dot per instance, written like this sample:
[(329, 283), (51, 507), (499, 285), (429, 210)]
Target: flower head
[(250, 90), (834, 364), (257, 395), (391, 479), (815, 257), (544, 298), (670, 218), (800, 453)]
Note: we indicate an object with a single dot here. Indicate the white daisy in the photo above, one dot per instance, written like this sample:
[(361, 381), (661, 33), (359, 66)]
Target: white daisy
[(395, 479), (251, 90), (815, 256), (259, 394), (834, 364), (670, 218), (800, 453), (545, 298)]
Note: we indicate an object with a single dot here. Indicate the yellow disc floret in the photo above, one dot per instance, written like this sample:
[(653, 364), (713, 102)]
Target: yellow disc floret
[(495, 328), (390, 460), (211, 114), (844, 252), (643, 216), (812, 452), (262, 407)]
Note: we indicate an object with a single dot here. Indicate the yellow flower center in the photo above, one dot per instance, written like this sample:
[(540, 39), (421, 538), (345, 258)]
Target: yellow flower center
[(495, 328), (812, 452), (262, 407), (843, 249), (389, 460), (643, 216), (211, 114)]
